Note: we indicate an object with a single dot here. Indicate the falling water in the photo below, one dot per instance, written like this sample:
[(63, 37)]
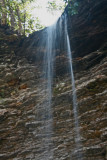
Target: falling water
[(53, 40), (75, 105), (48, 70)]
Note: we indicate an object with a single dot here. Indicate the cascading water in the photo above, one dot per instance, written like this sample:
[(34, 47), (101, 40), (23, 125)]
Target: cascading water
[(75, 105), (54, 40), (48, 76)]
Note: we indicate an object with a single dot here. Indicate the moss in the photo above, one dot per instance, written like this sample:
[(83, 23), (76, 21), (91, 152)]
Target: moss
[(0, 97), (95, 87), (2, 93)]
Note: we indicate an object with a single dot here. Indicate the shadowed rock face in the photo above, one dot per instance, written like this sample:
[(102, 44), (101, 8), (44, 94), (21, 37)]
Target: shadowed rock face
[(22, 96), (88, 29)]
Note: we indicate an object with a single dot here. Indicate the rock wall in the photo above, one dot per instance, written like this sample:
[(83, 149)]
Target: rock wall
[(87, 29), (22, 96)]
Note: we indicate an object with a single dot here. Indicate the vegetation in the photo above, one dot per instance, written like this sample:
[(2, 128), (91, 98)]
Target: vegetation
[(56, 5), (17, 13), (72, 6)]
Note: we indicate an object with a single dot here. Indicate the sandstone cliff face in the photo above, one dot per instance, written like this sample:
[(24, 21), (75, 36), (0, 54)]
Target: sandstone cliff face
[(22, 95)]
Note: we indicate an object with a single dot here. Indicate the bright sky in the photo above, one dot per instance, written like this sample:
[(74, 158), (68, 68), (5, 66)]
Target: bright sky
[(43, 14)]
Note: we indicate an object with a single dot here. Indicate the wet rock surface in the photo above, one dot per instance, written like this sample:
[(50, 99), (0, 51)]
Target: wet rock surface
[(22, 100), (91, 85)]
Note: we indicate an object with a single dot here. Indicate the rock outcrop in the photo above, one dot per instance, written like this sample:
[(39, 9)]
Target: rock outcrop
[(87, 29), (22, 95)]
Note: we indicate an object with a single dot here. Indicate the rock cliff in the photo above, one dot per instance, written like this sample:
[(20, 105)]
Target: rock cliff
[(22, 95)]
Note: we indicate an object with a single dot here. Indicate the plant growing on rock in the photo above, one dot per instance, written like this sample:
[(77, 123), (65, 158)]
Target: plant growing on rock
[(72, 6)]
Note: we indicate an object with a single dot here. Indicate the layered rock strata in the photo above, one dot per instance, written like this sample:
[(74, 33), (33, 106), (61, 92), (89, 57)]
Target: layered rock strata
[(22, 94)]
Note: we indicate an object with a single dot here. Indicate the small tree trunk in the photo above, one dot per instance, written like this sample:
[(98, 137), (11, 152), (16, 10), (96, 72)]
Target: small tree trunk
[(4, 14), (19, 20), (24, 16), (24, 22), (12, 16), (0, 11), (12, 20)]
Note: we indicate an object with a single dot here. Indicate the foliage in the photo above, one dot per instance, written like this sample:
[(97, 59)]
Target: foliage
[(16, 13), (56, 5), (72, 6)]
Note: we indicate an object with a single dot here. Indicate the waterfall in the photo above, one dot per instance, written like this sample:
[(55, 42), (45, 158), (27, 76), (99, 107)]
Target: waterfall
[(74, 95), (52, 41), (48, 68)]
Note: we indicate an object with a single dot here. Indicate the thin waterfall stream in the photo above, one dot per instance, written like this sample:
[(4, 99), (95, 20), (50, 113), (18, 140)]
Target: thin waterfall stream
[(74, 95), (53, 40), (48, 76)]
